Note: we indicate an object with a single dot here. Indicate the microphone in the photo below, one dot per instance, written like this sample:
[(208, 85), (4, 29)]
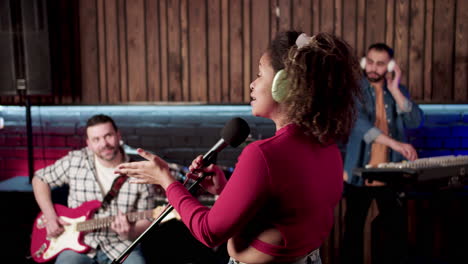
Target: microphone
[(234, 133)]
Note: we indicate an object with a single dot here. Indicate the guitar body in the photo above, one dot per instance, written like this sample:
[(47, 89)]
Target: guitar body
[(44, 249)]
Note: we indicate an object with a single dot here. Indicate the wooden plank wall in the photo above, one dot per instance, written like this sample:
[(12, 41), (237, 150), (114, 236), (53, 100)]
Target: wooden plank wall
[(207, 51)]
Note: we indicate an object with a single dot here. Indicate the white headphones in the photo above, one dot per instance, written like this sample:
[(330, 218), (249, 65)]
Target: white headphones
[(390, 65)]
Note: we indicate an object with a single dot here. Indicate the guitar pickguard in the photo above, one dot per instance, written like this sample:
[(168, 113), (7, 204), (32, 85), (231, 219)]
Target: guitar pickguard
[(69, 239)]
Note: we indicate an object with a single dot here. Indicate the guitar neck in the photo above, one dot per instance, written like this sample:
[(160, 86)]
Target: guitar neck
[(98, 223)]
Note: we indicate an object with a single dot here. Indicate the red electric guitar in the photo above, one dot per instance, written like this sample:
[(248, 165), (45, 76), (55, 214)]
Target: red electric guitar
[(44, 249)]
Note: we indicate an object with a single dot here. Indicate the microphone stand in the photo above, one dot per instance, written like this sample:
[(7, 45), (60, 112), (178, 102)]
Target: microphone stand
[(158, 221)]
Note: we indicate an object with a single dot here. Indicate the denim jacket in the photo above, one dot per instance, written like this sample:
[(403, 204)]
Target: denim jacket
[(364, 132)]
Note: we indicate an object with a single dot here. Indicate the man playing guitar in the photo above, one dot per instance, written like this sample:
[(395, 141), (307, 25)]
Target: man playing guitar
[(90, 174)]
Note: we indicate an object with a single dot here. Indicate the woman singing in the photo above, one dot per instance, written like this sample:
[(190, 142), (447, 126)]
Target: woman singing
[(278, 205)]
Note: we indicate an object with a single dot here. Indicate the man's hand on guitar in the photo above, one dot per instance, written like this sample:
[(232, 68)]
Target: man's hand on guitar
[(122, 227), (54, 226)]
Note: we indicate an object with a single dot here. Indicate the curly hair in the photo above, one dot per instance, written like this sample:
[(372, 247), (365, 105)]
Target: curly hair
[(324, 85)]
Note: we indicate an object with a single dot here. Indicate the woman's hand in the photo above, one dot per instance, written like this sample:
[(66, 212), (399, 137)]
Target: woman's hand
[(153, 171), (214, 182)]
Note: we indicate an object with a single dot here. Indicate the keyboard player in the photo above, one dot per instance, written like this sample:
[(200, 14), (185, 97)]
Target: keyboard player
[(378, 137)]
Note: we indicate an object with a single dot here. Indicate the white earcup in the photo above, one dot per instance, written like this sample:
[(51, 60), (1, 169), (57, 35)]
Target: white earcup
[(391, 66), (363, 63), (279, 88)]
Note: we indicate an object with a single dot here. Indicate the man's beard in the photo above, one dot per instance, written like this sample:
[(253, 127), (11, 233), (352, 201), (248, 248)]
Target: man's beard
[(375, 79), (108, 158)]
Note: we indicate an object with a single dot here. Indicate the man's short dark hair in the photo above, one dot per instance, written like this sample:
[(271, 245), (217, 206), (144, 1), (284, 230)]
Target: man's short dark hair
[(381, 47), (99, 119)]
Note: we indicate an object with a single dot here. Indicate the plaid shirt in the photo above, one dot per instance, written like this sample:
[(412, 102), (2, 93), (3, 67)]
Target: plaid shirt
[(78, 171)]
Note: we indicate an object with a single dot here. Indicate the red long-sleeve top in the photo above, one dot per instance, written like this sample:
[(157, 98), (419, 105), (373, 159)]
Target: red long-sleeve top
[(288, 182)]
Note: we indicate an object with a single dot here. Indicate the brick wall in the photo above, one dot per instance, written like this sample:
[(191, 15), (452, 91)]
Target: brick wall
[(445, 131), (176, 133), (179, 133)]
